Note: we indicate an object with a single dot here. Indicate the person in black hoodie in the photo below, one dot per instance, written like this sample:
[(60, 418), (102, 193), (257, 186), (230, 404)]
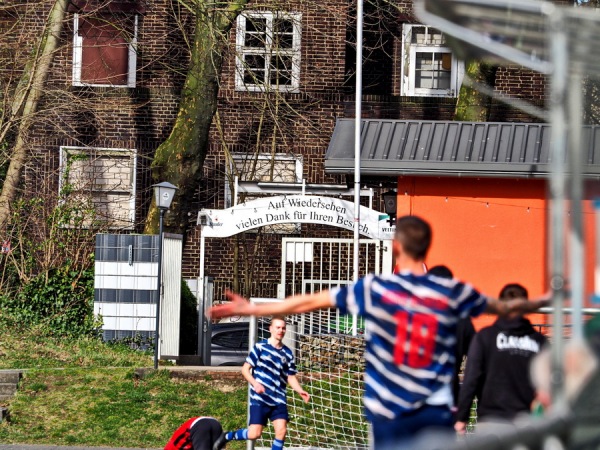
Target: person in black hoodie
[(498, 366)]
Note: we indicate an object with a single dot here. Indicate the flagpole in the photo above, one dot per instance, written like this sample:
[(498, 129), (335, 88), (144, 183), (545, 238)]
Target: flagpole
[(357, 129)]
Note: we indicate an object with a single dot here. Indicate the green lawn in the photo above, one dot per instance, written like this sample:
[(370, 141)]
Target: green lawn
[(84, 393), (111, 407)]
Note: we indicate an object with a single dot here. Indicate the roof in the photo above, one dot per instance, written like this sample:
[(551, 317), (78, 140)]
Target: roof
[(446, 148)]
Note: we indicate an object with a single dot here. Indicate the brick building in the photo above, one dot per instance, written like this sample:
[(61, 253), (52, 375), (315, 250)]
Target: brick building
[(288, 75)]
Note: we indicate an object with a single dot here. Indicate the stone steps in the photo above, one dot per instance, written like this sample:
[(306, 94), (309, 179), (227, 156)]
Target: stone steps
[(7, 391), (9, 381)]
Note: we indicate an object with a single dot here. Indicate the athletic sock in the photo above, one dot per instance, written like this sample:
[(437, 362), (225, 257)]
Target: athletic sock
[(277, 444), (238, 435)]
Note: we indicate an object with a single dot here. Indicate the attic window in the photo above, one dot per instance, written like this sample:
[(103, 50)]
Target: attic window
[(428, 66)]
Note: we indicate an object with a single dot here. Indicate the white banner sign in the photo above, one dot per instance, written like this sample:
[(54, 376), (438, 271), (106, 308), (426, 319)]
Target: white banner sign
[(295, 209)]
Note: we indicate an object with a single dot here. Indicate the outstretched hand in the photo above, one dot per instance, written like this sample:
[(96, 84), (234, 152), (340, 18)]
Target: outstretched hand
[(238, 306), (544, 300)]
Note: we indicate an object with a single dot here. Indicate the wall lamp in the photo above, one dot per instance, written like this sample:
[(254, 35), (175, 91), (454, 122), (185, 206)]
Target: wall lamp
[(390, 204)]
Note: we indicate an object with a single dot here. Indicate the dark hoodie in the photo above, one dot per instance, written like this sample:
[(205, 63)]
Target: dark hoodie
[(497, 370)]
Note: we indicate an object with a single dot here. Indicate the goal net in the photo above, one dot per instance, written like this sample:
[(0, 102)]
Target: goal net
[(330, 368), (328, 346)]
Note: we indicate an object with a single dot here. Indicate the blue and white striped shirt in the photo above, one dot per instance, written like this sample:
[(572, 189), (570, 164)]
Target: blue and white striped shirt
[(271, 367), (410, 326)]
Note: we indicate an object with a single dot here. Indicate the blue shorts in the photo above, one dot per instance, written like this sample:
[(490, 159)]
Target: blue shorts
[(428, 428), (261, 414)]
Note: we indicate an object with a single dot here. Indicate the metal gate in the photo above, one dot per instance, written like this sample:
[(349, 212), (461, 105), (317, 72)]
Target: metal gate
[(313, 264)]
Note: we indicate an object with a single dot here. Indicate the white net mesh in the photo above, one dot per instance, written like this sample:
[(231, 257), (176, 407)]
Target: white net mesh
[(328, 346), (330, 365)]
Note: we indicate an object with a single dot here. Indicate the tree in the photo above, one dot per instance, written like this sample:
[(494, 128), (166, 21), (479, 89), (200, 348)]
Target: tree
[(47, 217), (180, 158), (472, 105), (25, 103)]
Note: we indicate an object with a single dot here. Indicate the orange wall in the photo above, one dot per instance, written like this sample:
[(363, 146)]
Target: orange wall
[(489, 232), (493, 231)]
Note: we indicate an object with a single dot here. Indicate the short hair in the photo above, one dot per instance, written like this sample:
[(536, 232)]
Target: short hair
[(513, 290), (414, 234), (274, 318), (441, 271)]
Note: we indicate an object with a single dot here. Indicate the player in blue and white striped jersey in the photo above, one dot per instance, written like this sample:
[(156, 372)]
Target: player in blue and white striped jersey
[(269, 368), (410, 329), (410, 323)]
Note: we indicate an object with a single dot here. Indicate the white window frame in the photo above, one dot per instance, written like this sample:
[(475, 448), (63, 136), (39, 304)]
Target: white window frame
[(265, 157), (409, 56), (67, 150), (78, 55), (294, 52)]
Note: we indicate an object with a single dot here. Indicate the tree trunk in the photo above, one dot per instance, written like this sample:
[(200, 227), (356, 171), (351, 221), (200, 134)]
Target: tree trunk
[(473, 105), (26, 103), (180, 158)]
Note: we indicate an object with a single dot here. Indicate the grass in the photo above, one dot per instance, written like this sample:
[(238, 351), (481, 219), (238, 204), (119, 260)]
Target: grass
[(111, 407), (83, 392), (33, 348)]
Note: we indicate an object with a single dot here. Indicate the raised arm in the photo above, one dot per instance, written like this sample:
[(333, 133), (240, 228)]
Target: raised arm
[(517, 305), (240, 306)]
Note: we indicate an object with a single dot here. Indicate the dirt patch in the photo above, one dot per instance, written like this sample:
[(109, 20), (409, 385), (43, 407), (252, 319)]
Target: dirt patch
[(224, 382), (227, 386)]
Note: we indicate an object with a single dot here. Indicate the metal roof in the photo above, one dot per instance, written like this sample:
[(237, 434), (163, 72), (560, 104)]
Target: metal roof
[(418, 147)]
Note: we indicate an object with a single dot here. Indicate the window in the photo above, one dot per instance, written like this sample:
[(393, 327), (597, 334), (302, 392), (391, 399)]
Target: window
[(235, 338), (268, 52), (102, 178), (281, 168), (428, 66), (104, 49)]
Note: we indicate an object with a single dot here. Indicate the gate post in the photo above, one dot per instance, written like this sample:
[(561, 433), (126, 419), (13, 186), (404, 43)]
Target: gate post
[(204, 323)]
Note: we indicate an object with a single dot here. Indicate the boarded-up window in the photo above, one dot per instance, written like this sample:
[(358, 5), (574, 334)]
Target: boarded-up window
[(102, 181), (104, 51), (278, 168)]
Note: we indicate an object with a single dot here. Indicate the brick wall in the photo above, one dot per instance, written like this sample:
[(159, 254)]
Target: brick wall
[(295, 123)]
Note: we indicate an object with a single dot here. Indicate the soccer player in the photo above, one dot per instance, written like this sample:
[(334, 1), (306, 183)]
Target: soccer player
[(197, 433), (410, 328), (269, 368)]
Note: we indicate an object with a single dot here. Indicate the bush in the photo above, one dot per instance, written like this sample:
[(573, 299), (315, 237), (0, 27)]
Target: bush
[(60, 300), (188, 327)]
